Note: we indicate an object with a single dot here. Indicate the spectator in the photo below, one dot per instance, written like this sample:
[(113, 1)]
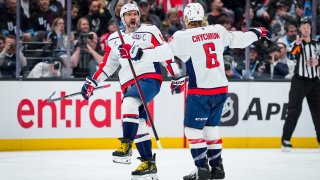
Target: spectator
[(47, 69), (266, 12), (8, 58), (290, 36), (42, 19), (217, 10), (147, 17), (2, 42), (57, 37), (283, 58), (241, 23), (231, 72), (8, 22), (87, 55), (282, 17), (171, 24), (28, 6), (275, 69), (74, 17), (117, 10), (256, 67), (56, 7), (158, 10), (104, 38), (83, 7), (96, 19)]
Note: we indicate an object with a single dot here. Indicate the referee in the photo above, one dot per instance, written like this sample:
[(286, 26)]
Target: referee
[(304, 83)]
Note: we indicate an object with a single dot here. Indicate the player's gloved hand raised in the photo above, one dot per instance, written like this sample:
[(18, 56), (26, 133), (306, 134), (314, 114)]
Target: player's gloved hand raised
[(178, 85), (261, 32), (88, 87), (133, 52)]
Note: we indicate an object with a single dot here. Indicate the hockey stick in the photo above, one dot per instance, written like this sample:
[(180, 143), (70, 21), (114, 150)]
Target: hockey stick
[(112, 8), (50, 99)]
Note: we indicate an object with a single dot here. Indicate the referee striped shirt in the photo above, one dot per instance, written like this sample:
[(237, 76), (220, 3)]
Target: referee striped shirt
[(301, 54)]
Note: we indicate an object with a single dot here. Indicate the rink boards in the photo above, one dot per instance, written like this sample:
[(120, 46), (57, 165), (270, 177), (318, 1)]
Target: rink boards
[(253, 117)]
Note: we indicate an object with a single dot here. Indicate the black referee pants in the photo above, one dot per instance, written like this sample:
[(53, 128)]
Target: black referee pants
[(301, 88)]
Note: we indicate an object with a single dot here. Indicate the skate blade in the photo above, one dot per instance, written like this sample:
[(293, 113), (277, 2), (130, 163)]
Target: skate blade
[(122, 160), (145, 177), (286, 149)]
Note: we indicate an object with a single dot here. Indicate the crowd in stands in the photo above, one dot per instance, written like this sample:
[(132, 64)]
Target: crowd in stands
[(43, 37)]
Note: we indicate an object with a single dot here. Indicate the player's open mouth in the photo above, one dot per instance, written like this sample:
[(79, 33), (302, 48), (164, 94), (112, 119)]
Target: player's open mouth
[(133, 22)]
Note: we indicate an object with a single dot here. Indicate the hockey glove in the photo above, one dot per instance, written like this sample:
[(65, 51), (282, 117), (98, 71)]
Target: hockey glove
[(130, 52), (88, 87), (261, 32), (178, 85)]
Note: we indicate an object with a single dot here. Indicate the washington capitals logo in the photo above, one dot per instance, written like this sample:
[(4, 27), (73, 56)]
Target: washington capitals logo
[(136, 36)]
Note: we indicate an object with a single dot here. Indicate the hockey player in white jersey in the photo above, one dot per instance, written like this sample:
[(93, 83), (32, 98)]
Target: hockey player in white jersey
[(202, 52), (201, 48), (137, 38)]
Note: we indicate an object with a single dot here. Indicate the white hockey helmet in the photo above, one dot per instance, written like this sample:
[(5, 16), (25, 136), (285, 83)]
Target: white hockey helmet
[(126, 8), (194, 12)]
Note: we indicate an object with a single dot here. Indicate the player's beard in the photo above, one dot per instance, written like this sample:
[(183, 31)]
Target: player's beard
[(133, 24)]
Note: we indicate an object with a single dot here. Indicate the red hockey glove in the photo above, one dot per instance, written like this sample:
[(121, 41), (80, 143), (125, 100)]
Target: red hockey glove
[(88, 87), (130, 52), (261, 32), (178, 85)]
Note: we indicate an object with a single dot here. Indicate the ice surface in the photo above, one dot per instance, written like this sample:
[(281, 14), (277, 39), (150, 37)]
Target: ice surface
[(173, 164)]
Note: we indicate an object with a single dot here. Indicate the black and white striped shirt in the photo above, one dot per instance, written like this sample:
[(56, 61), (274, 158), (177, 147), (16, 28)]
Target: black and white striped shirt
[(301, 54)]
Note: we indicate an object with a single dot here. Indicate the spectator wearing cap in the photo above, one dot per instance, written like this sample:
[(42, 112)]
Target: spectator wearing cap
[(275, 69), (147, 17), (256, 67), (230, 70)]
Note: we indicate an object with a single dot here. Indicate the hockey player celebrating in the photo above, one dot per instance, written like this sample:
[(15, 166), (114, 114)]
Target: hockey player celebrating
[(202, 52), (208, 86), (138, 38)]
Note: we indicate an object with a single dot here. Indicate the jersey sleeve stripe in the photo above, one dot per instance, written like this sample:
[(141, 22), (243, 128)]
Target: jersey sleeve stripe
[(102, 64)]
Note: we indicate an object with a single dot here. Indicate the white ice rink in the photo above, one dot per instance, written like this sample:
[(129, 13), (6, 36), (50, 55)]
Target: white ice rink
[(173, 164)]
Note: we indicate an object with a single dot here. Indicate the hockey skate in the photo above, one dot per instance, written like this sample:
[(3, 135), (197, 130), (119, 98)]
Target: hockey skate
[(124, 153), (286, 146), (199, 174), (147, 170), (217, 172)]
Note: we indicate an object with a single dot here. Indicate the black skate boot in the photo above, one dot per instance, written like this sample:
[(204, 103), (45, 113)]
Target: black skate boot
[(217, 172), (146, 170), (124, 153), (202, 173), (286, 146)]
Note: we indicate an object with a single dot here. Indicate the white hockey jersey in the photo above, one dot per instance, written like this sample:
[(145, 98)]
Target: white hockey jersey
[(202, 51), (147, 37)]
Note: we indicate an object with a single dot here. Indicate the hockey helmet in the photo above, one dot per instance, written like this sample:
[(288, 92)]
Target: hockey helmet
[(126, 8), (194, 12)]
